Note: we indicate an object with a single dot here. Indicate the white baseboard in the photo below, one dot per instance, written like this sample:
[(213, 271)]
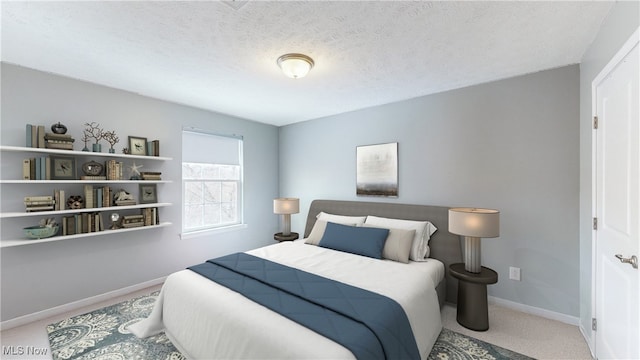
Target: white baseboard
[(567, 319), (589, 342), (44, 314)]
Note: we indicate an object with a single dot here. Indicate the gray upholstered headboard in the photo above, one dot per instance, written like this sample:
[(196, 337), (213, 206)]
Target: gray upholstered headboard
[(444, 245)]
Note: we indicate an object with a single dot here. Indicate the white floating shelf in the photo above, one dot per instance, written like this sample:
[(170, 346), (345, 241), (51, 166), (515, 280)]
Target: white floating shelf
[(83, 210), (36, 182), (21, 242), (80, 153)]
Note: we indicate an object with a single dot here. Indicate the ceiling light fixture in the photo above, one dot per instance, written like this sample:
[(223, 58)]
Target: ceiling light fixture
[(295, 65)]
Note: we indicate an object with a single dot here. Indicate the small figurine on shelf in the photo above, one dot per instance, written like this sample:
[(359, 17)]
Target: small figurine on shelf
[(134, 172), (75, 202), (112, 139), (94, 131), (115, 221), (59, 128), (125, 151), (122, 197)]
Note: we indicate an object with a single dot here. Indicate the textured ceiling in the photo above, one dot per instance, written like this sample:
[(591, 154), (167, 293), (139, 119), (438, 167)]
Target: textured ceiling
[(210, 55)]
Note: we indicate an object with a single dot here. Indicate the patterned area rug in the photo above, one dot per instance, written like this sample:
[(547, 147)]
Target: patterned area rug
[(103, 334)]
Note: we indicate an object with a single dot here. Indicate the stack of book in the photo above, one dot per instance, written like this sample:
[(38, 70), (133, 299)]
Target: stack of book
[(153, 148), (35, 136), (58, 197), (114, 169), (58, 141), (38, 168), (97, 197), (131, 221), (150, 216), (123, 202), (151, 175), (82, 223), (39, 203)]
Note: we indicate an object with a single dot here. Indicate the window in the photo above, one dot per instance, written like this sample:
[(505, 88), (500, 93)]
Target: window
[(211, 181)]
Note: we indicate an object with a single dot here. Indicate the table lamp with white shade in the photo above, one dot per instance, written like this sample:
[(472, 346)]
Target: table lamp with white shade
[(286, 207), (473, 224)]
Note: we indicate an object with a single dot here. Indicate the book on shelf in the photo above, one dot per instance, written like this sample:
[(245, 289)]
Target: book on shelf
[(97, 196), (58, 137), (34, 136), (150, 216), (38, 168), (124, 202), (47, 168), (28, 131), (129, 221), (114, 169), (151, 175), (106, 196), (133, 225), (59, 141), (68, 225), (128, 218), (93, 177), (38, 198), (40, 136), (32, 168), (153, 148), (59, 145), (88, 197), (39, 208), (58, 196), (40, 202)]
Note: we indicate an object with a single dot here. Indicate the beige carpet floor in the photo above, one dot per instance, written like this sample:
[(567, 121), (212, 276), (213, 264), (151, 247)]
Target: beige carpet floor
[(527, 334)]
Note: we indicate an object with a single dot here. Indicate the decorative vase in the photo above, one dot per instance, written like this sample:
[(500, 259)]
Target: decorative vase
[(112, 150), (92, 168), (85, 147), (58, 128), (97, 147)]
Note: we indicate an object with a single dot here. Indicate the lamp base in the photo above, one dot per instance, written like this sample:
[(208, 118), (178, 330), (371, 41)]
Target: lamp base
[(281, 237), (472, 254)]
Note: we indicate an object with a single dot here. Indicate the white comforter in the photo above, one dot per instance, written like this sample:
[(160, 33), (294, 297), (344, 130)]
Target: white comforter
[(207, 321)]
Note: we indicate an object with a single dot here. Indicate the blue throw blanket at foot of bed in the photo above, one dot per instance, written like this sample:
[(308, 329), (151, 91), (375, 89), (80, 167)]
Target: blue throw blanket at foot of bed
[(370, 325)]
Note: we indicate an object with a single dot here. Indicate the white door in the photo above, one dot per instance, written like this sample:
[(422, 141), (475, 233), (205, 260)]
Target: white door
[(617, 207)]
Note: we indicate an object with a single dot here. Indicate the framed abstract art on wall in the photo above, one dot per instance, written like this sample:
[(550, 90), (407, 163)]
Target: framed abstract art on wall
[(377, 170)]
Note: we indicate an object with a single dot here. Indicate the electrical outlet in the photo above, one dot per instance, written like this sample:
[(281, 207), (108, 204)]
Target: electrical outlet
[(514, 273)]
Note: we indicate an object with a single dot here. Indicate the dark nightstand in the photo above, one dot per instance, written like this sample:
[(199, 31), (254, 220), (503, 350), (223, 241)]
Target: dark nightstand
[(290, 237), (473, 311)]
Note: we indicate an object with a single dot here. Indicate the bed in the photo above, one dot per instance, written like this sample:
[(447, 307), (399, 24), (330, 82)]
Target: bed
[(205, 320)]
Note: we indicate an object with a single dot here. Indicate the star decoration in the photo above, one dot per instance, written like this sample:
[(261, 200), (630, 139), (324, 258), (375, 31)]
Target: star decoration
[(134, 171)]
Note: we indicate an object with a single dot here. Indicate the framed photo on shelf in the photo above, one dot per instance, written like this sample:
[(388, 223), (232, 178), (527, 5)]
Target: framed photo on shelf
[(63, 168), (148, 193), (137, 145)]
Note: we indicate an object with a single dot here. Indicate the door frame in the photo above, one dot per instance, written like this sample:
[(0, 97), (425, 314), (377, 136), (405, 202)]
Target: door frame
[(615, 60)]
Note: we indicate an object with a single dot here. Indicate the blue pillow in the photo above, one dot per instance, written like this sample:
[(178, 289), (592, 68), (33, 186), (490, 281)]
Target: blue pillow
[(364, 241)]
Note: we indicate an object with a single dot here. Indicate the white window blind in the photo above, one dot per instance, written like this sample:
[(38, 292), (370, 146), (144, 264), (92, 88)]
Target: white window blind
[(211, 181)]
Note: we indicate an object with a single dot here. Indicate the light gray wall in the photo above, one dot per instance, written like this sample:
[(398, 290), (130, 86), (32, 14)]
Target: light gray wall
[(622, 21), (42, 276), (512, 145)]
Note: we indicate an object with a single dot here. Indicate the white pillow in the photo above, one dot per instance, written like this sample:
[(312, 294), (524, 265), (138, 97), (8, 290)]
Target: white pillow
[(397, 247), (424, 229), (316, 232), (341, 219)]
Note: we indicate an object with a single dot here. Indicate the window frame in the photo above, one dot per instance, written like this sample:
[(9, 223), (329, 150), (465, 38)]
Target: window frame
[(213, 228)]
